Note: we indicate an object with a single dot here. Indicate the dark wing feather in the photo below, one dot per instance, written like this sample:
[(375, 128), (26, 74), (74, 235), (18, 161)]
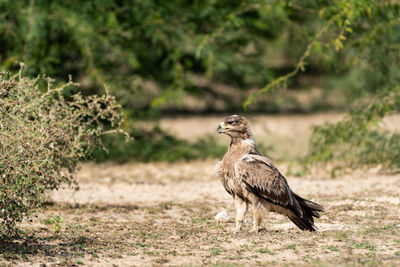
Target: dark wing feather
[(264, 180)]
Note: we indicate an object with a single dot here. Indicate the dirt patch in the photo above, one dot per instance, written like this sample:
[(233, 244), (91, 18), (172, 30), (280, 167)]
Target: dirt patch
[(130, 220), (156, 214)]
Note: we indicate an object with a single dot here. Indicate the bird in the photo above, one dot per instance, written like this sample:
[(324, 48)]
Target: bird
[(252, 179)]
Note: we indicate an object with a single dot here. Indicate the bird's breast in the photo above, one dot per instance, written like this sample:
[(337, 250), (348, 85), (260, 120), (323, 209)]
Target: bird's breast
[(229, 179)]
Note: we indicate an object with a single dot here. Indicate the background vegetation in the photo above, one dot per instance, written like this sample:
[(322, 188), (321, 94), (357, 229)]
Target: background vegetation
[(179, 57)]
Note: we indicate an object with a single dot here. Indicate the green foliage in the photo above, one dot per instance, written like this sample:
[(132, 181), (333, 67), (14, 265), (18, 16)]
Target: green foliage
[(357, 140), (365, 246), (291, 246), (333, 248), (43, 135), (154, 53), (127, 44), (150, 52), (365, 37), (56, 221), (372, 54), (353, 37), (265, 250)]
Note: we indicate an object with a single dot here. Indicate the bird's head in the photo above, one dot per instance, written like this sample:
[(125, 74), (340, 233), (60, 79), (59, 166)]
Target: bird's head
[(235, 126)]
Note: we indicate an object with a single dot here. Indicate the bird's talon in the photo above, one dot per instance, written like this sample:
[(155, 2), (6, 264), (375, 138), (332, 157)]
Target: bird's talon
[(257, 230)]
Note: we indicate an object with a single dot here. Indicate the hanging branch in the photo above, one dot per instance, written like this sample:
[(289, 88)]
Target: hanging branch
[(299, 66)]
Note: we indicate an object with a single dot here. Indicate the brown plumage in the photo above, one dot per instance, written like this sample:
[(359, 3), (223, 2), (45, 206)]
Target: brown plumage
[(253, 179)]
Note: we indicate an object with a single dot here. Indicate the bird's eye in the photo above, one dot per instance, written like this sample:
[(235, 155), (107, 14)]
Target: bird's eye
[(229, 122)]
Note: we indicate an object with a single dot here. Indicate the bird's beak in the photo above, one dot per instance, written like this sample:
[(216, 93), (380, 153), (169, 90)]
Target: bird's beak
[(221, 127)]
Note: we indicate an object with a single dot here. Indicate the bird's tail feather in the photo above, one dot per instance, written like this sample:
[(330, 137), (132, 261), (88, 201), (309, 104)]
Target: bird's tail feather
[(302, 223), (310, 209)]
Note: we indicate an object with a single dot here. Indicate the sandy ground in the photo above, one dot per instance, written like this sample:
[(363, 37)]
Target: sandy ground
[(155, 214)]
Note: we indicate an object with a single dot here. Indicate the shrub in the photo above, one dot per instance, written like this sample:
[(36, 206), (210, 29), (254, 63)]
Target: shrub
[(357, 140), (43, 135)]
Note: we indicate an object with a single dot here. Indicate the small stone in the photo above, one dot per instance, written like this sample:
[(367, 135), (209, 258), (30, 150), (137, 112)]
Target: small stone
[(222, 216)]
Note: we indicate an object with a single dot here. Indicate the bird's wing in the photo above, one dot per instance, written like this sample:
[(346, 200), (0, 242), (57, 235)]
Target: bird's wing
[(263, 179)]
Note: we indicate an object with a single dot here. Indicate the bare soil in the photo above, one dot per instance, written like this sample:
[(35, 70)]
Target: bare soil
[(157, 214)]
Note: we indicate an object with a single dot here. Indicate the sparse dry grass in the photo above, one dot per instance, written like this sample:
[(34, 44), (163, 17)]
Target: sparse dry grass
[(163, 214)]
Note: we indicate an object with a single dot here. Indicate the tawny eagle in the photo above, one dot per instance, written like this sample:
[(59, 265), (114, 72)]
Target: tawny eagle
[(253, 179)]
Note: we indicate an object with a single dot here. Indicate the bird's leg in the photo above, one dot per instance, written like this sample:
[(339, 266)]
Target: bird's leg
[(257, 218), (241, 209)]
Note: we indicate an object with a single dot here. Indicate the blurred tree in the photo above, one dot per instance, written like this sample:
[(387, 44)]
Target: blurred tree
[(153, 54)]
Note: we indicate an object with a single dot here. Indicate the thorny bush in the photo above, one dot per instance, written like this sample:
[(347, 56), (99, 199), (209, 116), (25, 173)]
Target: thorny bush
[(43, 135)]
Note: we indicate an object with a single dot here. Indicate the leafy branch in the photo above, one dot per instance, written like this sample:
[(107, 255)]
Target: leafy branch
[(300, 65)]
